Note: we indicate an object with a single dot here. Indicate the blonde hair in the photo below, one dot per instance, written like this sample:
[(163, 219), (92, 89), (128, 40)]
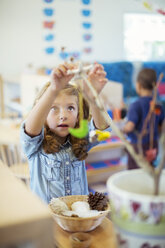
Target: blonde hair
[(52, 142)]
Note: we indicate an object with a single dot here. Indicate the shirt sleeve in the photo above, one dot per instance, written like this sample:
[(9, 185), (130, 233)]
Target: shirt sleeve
[(134, 114), (91, 128), (30, 145)]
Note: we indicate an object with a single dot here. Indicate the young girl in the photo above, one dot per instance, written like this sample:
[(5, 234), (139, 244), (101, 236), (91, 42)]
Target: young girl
[(56, 158)]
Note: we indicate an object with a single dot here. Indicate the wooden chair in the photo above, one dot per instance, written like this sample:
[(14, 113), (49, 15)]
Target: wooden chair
[(2, 104), (12, 156), (10, 150)]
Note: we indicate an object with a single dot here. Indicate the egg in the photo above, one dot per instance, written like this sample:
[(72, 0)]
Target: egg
[(80, 206)]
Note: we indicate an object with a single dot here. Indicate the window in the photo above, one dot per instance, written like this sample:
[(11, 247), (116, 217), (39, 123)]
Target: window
[(144, 37)]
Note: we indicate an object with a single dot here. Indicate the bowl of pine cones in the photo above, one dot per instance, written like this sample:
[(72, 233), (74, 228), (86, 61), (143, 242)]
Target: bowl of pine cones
[(80, 213)]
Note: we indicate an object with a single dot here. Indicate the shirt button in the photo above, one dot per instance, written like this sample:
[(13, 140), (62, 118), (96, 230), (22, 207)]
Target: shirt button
[(67, 162), (68, 191), (67, 178)]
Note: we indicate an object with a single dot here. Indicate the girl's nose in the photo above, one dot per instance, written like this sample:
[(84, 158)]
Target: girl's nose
[(63, 118), (63, 115)]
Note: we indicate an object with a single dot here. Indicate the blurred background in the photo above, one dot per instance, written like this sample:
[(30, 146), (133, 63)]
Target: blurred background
[(38, 35)]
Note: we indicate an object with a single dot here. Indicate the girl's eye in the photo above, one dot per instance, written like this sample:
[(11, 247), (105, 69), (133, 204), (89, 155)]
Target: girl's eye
[(54, 109), (71, 108)]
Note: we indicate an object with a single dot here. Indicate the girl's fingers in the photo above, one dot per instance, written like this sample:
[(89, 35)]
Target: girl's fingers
[(101, 73), (98, 76), (70, 66), (103, 81), (98, 70), (63, 70), (98, 67), (56, 73)]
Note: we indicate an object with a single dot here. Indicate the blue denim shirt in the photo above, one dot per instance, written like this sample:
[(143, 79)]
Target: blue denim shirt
[(54, 175)]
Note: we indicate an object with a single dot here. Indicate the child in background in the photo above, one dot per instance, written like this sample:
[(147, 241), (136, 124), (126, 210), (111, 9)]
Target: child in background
[(56, 158), (146, 81)]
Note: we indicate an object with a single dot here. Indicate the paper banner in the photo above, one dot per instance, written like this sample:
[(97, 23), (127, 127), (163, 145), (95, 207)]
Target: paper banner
[(64, 55), (48, 24), (48, 11), (48, 1), (75, 55), (86, 12), (49, 37), (87, 50), (87, 25), (49, 50), (87, 37), (86, 2)]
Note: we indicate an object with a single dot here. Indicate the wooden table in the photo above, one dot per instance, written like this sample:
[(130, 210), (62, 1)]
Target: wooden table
[(24, 219), (103, 236)]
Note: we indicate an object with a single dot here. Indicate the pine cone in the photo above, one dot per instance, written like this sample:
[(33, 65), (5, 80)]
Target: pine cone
[(98, 201)]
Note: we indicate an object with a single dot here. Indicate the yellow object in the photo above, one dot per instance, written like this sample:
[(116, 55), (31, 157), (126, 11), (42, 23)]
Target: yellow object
[(102, 135), (147, 5)]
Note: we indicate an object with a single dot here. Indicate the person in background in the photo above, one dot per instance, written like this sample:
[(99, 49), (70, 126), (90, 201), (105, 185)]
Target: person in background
[(137, 113), (56, 158)]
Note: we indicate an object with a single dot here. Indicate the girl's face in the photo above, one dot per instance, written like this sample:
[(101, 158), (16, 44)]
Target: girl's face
[(63, 114)]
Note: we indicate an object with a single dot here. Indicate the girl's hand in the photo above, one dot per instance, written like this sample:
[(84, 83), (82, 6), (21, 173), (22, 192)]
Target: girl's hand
[(59, 78), (97, 77)]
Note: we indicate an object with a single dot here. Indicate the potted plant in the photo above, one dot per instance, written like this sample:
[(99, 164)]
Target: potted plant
[(137, 197), (138, 214)]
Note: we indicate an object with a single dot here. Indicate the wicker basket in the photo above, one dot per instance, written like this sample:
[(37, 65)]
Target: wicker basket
[(77, 224)]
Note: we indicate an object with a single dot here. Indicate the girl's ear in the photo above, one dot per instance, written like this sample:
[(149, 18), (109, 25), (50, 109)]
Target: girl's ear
[(138, 87)]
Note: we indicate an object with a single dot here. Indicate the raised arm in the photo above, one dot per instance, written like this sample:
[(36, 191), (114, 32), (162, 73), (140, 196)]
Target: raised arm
[(97, 78), (37, 117)]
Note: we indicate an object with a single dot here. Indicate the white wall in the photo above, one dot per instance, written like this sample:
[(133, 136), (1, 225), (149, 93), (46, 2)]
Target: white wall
[(21, 31)]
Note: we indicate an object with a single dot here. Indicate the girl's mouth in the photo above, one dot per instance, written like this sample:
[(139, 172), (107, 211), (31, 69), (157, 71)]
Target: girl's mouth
[(62, 125)]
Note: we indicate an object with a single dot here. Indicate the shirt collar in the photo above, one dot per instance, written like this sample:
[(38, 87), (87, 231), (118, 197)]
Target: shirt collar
[(66, 144)]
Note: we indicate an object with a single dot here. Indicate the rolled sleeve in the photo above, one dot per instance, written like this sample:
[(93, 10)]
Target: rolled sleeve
[(91, 128), (30, 145)]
